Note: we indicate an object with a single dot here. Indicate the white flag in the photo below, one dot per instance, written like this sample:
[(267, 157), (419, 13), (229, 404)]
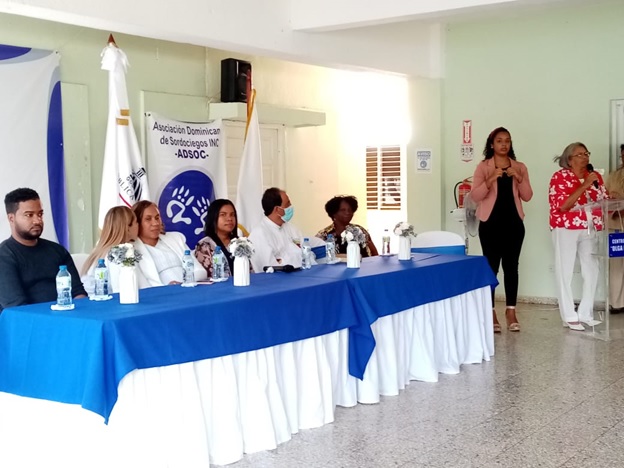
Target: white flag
[(249, 189), (124, 180)]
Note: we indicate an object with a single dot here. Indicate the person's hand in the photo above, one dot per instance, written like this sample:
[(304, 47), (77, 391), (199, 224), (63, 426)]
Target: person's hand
[(590, 179), (511, 172), (495, 175), (174, 282)]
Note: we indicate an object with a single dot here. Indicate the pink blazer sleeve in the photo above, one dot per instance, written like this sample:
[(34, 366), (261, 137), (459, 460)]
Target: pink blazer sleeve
[(479, 188)]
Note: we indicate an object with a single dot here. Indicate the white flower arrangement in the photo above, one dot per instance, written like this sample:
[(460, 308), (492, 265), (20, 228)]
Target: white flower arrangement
[(241, 247), (124, 254), (404, 229), (353, 233)]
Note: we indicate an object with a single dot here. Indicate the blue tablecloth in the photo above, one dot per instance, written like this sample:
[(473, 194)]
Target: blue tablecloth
[(80, 356)]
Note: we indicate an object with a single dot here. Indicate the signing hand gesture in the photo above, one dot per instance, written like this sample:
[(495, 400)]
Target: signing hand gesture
[(511, 172), (498, 172)]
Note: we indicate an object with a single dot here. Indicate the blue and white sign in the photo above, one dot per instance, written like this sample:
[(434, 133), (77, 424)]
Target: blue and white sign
[(32, 133), (616, 244), (187, 170)]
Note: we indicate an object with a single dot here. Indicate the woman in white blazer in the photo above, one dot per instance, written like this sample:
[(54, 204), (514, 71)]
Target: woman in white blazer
[(120, 226), (162, 252)]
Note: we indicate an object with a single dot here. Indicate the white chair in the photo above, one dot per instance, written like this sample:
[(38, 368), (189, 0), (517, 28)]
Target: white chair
[(440, 242), (79, 260)]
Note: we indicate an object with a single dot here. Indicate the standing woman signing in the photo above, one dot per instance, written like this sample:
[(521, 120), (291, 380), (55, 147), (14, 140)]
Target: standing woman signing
[(500, 185), (573, 222)]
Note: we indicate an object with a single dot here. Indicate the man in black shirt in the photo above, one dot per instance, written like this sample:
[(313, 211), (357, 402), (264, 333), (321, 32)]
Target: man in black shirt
[(29, 264)]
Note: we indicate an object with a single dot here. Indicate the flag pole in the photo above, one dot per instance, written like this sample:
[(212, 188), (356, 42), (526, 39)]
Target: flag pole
[(251, 100)]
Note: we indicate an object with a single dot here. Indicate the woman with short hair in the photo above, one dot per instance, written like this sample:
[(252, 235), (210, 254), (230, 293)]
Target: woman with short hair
[(341, 209), (574, 218)]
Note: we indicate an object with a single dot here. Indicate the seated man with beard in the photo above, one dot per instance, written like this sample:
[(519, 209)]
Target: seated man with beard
[(29, 264)]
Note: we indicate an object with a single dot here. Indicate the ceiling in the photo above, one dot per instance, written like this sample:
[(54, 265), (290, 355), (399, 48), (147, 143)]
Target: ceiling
[(330, 15), (397, 36)]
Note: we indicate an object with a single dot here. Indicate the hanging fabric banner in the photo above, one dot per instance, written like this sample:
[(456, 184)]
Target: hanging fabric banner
[(187, 172), (32, 133)]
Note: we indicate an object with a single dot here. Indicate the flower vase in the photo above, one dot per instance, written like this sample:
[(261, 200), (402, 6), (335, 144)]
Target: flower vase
[(405, 248), (128, 285), (353, 255), (241, 271)]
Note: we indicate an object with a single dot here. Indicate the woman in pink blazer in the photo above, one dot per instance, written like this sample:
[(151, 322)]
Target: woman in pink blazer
[(500, 185)]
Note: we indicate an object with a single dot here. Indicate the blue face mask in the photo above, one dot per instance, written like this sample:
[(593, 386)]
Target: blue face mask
[(288, 213)]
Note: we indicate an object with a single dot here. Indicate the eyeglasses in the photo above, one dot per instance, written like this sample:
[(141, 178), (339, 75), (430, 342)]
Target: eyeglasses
[(586, 154)]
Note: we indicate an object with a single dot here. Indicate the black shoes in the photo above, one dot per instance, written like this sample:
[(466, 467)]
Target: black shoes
[(615, 311)]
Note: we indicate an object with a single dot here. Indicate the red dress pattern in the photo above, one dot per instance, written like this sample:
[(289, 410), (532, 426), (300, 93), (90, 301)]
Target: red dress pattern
[(564, 183)]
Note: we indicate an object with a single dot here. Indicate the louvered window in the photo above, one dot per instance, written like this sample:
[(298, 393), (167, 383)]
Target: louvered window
[(383, 177)]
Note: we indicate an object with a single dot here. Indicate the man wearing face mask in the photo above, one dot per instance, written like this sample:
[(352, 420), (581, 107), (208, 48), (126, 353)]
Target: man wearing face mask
[(276, 241)]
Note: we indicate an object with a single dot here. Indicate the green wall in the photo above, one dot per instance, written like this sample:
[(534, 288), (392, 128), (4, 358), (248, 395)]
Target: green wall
[(362, 109), (548, 78)]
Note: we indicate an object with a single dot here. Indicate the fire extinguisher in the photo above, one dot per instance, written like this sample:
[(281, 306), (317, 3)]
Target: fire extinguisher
[(462, 189)]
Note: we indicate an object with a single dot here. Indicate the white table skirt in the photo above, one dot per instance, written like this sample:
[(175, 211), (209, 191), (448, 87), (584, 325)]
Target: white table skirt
[(215, 410)]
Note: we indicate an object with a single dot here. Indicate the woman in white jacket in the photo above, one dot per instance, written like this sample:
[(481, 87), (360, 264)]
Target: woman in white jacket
[(120, 226), (162, 252)]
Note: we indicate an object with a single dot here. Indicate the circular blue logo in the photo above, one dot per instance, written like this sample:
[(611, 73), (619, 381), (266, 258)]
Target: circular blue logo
[(184, 203)]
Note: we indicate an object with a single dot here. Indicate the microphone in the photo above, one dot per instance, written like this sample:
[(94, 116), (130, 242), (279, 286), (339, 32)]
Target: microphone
[(284, 268), (590, 168)]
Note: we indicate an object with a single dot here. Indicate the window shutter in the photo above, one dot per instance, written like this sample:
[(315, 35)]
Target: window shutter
[(383, 178)]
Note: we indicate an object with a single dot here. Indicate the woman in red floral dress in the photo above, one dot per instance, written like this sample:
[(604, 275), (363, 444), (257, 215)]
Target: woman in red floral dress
[(574, 220)]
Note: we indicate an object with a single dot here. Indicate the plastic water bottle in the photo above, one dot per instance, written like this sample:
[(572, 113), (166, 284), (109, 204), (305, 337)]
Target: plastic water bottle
[(63, 288), (385, 243), (218, 265), (330, 249), (101, 279), (188, 279), (306, 254)]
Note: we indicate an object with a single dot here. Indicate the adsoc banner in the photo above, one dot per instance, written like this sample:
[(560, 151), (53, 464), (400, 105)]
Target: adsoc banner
[(186, 170), (32, 134)]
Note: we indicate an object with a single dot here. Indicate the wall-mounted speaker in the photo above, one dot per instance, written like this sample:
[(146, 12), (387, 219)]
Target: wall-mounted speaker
[(235, 80)]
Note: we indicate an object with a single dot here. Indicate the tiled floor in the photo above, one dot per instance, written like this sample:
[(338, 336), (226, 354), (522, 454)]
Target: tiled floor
[(550, 397)]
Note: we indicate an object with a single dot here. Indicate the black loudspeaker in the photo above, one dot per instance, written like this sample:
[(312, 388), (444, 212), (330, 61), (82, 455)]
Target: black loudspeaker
[(235, 80)]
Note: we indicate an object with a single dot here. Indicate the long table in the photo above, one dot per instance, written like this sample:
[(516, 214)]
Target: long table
[(319, 325)]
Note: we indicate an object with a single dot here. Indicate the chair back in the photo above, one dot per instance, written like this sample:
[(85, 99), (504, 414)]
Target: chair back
[(79, 260), (440, 242)]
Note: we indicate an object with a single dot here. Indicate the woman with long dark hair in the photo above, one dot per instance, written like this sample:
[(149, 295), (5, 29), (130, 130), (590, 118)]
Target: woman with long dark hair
[(220, 228), (500, 185)]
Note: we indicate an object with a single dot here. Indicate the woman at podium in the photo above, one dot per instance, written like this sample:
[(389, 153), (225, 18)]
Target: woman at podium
[(574, 220)]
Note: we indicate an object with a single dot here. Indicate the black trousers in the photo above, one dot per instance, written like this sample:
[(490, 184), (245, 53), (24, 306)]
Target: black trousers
[(501, 242)]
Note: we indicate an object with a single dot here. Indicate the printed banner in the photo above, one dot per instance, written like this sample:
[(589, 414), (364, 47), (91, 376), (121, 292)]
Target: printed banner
[(32, 134), (187, 172)]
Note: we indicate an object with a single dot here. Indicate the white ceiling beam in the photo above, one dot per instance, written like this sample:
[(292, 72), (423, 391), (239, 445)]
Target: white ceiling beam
[(330, 15), (255, 28)]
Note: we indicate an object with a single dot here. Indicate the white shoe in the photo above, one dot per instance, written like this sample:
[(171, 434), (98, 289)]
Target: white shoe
[(574, 326), (591, 322)]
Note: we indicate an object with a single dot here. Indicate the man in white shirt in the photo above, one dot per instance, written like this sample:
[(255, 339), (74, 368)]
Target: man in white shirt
[(276, 241)]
